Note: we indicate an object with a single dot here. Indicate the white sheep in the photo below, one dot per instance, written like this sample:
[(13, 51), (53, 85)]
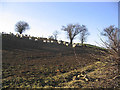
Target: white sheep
[(17, 35), (64, 42), (51, 41), (30, 38), (67, 44), (48, 41), (36, 39), (21, 35), (59, 42), (73, 45), (44, 40)]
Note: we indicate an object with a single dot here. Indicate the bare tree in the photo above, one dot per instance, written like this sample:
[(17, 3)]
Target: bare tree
[(21, 26), (83, 35), (72, 31), (113, 40), (51, 37), (55, 34)]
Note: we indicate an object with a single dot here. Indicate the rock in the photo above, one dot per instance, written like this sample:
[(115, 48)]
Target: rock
[(82, 75), (117, 77), (86, 79), (74, 78), (78, 76), (96, 80)]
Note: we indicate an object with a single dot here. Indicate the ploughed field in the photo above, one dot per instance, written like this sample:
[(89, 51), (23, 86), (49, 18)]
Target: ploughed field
[(35, 64)]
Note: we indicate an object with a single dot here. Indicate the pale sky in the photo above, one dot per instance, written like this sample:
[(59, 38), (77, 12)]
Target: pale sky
[(46, 17)]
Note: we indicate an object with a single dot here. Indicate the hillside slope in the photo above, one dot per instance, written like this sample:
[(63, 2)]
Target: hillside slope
[(35, 64)]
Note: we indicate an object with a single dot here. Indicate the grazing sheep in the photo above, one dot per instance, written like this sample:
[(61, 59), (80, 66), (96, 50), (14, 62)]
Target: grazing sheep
[(17, 35), (73, 45), (21, 35), (59, 42), (67, 44), (51, 41), (64, 42), (36, 39), (30, 38), (48, 41), (44, 41)]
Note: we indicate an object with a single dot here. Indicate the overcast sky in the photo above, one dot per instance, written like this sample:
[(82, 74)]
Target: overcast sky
[(46, 17)]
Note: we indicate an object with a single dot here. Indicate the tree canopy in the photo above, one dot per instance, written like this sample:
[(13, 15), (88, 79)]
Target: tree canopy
[(21, 26)]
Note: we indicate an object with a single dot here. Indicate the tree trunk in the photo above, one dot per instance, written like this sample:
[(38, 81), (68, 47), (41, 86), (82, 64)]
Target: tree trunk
[(82, 42), (71, 40)]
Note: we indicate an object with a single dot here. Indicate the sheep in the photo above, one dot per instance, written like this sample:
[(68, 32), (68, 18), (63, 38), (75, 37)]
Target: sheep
[(67, 44), (21, 35), (48, 41), (17, 35), (36, 39), (73, 45), (64, 42), (44, 41), (30, 38), (59, 42), (51, 41)]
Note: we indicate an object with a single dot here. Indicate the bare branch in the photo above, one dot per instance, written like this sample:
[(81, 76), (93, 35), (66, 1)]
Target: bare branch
[(72, 30), (21, 26)]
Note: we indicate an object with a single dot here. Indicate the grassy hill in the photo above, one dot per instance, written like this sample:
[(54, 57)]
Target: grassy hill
[(35, 64)]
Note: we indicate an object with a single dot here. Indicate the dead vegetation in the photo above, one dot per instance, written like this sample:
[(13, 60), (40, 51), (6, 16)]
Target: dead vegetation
[(52, 66)]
